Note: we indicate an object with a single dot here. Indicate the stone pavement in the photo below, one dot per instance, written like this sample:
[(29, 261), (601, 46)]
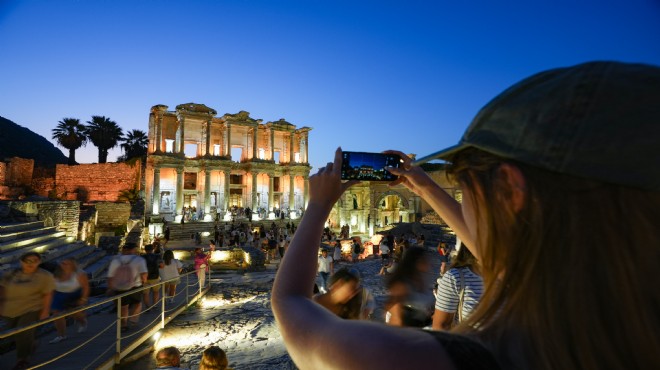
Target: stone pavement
[(236, 316)]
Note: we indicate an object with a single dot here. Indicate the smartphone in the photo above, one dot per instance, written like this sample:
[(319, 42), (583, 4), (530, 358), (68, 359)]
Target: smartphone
[(369, 166)]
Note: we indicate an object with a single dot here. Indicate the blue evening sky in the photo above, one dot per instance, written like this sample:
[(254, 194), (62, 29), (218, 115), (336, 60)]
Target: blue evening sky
[(366, 75)]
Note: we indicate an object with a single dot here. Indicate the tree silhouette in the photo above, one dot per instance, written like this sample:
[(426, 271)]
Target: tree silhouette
[(105, 134), (134, 144), (70, 134)]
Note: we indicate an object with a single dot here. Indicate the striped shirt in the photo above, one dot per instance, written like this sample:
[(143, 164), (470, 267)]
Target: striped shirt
[(449, 287)]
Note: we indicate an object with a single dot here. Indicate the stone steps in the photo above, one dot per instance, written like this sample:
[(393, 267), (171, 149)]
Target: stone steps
[(7, 237), (16, 227), (42, 246)]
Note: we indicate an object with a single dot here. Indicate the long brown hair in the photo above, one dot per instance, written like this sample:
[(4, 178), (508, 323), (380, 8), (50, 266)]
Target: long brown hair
[(570, 279)]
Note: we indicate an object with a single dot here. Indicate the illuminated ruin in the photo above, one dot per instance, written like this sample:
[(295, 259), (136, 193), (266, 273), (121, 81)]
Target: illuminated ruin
[(196, 159)]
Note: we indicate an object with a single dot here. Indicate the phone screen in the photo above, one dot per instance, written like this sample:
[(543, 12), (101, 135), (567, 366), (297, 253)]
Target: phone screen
[(368, 166)]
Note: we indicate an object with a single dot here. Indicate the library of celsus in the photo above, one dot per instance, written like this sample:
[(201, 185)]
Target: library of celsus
[(211, 164)]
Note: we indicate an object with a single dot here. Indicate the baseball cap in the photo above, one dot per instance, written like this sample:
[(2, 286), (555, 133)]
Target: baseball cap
[(596, 120)]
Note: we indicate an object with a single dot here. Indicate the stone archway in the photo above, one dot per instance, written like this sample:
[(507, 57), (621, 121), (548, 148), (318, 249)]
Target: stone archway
[(392, 207)]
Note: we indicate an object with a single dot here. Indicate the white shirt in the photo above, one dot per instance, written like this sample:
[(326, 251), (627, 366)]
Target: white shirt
[(170, 271), (324, 263), (137, 263)]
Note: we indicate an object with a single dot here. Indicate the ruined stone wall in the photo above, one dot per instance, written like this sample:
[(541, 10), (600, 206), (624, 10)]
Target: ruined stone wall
[(99, 182), (3, 173), (43, 186), (62, 214), (112, 215), (19, 172)]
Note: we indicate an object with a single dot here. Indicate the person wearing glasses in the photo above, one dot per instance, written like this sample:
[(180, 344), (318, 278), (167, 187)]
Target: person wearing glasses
[(25, 297)]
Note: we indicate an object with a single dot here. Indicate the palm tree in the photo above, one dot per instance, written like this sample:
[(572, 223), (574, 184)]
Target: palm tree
[(105, 134), (70, 134), (135, 144)]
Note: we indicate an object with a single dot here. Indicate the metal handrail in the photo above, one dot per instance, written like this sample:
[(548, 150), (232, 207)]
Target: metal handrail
[(117, 298)]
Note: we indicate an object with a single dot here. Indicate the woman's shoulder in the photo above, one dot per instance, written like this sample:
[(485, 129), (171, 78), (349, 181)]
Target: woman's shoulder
[(466, 353)]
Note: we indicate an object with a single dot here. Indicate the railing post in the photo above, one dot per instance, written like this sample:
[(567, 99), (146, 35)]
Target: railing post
[(118, 342), (162, 305), (187, 284)]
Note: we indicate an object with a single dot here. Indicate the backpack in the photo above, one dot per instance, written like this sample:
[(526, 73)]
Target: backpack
[(152, 265), (124, 277)]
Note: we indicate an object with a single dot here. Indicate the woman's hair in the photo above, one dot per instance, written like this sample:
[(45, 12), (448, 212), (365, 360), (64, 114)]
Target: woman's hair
[(213, 358), (408, 267), (464, 258), (351, 310), (570, 277), (58, 271), (168, 256), (25, 255)]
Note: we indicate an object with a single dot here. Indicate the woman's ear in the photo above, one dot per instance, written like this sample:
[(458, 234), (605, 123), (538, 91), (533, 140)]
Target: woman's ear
[(517, 185)]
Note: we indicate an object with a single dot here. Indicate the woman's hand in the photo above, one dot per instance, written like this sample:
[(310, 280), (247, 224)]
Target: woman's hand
[(325, 187), (412, 177)]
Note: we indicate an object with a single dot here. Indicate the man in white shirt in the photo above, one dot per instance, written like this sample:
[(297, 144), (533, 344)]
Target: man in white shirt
[(326, 268)]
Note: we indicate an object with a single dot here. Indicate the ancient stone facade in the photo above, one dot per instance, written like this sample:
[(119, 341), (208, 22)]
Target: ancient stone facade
[(370, 207), (96, 182), (196, 159)]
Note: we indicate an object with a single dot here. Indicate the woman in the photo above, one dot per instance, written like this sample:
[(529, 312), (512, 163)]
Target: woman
[(71, 290), (459, 291), (25, 298), (337, 251), (346, 298), (214, 358), (170, 268), (410, 298), (564, 159), (201, 262)]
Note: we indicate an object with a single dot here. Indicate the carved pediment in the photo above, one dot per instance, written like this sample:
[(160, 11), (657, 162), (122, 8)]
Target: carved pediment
[(196, 108), (241, 116)]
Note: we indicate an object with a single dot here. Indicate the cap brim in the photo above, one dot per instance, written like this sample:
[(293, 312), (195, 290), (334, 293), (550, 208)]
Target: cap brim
[(442, 154)]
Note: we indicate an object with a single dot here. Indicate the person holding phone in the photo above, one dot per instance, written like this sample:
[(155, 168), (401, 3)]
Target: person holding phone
[(566, 157)]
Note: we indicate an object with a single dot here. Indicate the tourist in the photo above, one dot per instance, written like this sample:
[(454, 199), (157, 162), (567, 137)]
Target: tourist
[(444, 254), (356, 249), (337, 251), (214, 358), (25, 298), (390, 267), (325, 269), (384, 250), (458, 292), (201, 263), (344, 297), (170, 268), (167, 235), (168, 358), (153, 261), (71, 290), (128, 272), (410, 299), (565, 160)]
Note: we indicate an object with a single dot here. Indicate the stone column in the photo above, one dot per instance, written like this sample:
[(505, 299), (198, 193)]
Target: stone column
[(291, 157), (228, 140), (182, 135), (159, 133), (155, 207), (179, 193), (292, 182), (306, 194), (227, 172), (272, 148), (271, 190), (254, 190), (254, 143), (207, 194), (306, 148), (208, 138)]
